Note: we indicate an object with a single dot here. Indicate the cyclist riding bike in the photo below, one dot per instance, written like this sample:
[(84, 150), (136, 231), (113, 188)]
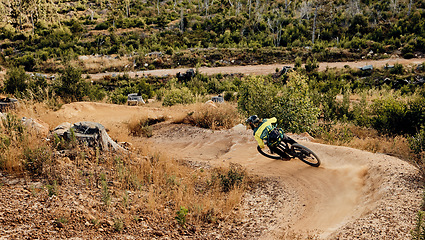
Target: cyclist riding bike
[(264, 130)]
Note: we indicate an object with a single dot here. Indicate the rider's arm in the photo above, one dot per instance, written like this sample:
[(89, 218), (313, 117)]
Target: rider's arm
[(260, 141)]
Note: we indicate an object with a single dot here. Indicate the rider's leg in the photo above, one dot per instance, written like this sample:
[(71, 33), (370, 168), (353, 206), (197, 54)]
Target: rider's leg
[(280, 152)]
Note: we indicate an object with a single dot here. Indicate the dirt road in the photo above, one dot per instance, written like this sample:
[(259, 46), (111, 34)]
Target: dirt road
[(352, 195), (264, 69)]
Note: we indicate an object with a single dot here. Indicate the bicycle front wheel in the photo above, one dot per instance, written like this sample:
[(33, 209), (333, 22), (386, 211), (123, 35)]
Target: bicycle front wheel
[(305, 155)]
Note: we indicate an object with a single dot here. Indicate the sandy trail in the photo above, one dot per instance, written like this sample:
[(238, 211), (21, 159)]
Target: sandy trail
[(353, 194), (264, 69)]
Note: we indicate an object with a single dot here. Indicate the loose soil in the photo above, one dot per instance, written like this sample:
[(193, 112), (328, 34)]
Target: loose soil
[(352, 195)]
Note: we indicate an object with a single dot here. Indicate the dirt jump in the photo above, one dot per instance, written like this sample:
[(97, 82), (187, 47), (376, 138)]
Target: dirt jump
[(353, 194)]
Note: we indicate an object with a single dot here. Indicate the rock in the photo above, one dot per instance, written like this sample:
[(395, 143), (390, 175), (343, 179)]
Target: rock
[(37, 126), (210, 103), (7, 104), (89, 133)]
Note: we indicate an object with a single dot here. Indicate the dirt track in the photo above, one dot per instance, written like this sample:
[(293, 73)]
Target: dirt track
[(266, 69), (352, 195)]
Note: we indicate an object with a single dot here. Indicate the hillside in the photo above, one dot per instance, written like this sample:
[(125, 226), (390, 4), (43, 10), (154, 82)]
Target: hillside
[(43, 35)]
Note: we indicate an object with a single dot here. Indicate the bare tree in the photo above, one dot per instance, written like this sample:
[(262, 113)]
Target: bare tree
[(304, 10), (207, 4), (287, 4), (127, 7), (275, 26), (353, 8), (182, 19), (394, 6), (249, 9), (238, 7), (314, 26), (409, 7)]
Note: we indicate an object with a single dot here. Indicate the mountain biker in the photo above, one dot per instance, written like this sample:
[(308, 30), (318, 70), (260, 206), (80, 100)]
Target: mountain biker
[(264, 130)]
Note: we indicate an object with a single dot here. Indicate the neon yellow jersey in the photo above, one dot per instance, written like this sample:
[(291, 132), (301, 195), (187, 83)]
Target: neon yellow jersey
[(262, 131)]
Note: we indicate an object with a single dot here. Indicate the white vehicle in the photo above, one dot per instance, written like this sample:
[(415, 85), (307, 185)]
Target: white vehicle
[(134, 99)]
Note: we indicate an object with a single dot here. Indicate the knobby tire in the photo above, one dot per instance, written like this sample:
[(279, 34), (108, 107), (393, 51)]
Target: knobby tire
[(305, 155), (269, 155)]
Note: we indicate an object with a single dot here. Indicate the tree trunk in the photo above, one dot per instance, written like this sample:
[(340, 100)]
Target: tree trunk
[(314, 25)]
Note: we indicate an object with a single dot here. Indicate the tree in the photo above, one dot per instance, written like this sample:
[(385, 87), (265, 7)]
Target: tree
[(314, 26), (256, 97), (290, 104), (295, 109), (70, 85)]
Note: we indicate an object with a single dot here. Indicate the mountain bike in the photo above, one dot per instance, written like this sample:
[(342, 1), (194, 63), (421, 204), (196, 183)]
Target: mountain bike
[(280, 146)]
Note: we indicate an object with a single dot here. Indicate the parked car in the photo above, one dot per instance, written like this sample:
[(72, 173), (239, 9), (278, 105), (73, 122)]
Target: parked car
[(134, 99), (217, 99)]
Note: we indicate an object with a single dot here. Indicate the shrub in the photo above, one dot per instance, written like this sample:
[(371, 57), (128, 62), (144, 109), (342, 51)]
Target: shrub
[(417, 142), (291, 104), (143, 126), (102, 26), (232, 178), (294, 108), (16, 81), (118, 224), (311, 65), (178, 96), (388, 115), (397, 69), (70, 85), (215, 116), (34, 159), (256, 97), (181, 216)]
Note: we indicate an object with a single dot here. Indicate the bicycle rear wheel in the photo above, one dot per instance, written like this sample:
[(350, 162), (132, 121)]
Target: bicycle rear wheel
[(267, 153), (305, 155)]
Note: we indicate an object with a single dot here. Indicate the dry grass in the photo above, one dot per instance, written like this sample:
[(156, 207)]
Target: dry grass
[(96, 64), (15, 138), (171, 184), (365, 139), (213, 116), (143, 126)]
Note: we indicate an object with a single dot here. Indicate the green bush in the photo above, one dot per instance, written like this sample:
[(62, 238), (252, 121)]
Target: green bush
[(257, 97), (181, 216), (388, 115), (290, 104), (178, 96), (232, 178), (118, 98), (295, 109), (417, 142), (70, 85), (16, 81)]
